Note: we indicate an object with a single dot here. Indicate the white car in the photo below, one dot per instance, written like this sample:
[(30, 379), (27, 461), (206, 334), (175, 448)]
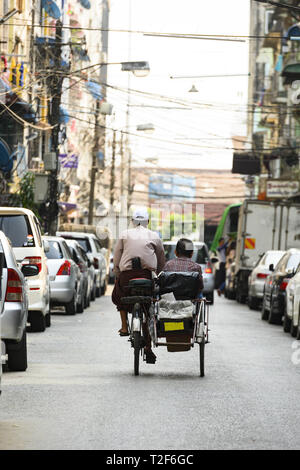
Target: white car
[(291, 322), (23, 230), (256, 280)]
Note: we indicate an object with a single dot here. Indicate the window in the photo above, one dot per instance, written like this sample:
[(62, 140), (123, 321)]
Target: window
[(67, 250), (268, 20), (271, 258), (55, 251), (200, 255), (17, 229), (84, 243), (293, 262), (98, 246)]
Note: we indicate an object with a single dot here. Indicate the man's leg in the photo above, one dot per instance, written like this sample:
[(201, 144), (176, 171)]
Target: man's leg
[(124, 326)]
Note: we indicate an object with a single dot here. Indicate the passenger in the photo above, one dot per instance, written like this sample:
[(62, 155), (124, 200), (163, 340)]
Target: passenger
[(183, 262)]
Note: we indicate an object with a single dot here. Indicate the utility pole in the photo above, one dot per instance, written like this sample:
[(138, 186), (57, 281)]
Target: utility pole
[(99, 133), (112, 171), (56, 82)]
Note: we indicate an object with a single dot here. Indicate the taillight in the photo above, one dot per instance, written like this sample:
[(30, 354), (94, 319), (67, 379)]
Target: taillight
[(14, 289), (36, 260), (65, 269), (96, 263), (208, 269), (261, 276), (283, 284)]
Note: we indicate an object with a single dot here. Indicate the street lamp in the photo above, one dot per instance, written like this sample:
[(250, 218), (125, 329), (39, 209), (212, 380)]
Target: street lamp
[(139, 69)]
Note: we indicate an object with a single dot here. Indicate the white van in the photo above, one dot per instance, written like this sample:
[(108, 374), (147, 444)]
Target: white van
[(23, 229)]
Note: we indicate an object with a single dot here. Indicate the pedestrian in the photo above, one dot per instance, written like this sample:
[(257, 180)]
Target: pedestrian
[(137, 254), (222, 249)]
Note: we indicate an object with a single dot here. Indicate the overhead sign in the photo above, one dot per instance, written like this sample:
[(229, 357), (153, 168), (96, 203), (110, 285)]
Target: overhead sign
[(68, 161), (280, 189)]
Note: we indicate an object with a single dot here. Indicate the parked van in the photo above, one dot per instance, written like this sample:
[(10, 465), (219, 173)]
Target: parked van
[(23, 230)]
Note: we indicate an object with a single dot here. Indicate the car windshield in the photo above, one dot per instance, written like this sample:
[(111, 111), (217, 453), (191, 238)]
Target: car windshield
[(271, 258), (293, 262), (17, 229), (199, 256), (84, 243), (55, 251)]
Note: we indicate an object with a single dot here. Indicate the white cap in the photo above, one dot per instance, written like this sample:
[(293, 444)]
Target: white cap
[(140, 214)]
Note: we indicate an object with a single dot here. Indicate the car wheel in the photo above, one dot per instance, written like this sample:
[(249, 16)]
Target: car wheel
[(48, 317), (253, 303), (93, 292), (17, 355), (98, 289), (71, 306), (103, 288), (80, 306), (298, 327), (264, 312), (37, 321), (273, 319), (286, 323), (294, 329)]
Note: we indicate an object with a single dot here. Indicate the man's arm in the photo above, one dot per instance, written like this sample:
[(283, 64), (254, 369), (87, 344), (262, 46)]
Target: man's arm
[(117, 256), (160, 255)]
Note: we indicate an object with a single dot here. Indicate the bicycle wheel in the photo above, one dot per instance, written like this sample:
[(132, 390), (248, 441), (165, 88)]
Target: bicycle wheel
[(137, 351), (202, 357)]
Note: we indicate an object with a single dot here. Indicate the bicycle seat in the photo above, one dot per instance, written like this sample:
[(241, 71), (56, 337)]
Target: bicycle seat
[(140, 282)]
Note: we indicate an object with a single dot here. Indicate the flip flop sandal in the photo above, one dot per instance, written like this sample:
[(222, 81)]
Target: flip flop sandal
[(123, 333), (150, 357)]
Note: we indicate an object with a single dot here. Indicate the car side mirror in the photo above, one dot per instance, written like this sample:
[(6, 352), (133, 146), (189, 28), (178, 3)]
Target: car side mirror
[(271, 267), (46, 246), (29, 270)]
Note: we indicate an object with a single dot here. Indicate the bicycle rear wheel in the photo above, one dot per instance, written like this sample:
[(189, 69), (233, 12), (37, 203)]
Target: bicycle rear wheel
[(202, 357), (137, 351)]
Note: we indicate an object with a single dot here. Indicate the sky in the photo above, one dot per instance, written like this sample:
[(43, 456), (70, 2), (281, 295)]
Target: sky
[(198, 135)]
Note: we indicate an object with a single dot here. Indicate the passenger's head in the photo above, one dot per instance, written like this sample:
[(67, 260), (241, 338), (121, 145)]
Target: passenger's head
[(140, 217), (184, 248), (221, 241)]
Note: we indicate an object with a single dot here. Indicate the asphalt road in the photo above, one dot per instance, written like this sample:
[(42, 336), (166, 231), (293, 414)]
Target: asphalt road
[(79, 391)]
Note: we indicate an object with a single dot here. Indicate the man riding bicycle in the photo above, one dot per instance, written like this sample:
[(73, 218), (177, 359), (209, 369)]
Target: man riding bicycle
[(137, 254)]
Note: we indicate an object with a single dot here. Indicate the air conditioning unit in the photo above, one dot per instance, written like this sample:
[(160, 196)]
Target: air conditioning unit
[(50, 162)]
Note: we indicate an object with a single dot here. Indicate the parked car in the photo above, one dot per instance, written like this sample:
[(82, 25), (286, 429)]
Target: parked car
[(66, 286), (23, 230), (83, 268), (291, 320), (200, 256), (92, 247), (274, 298), (91, 291), (260, 272), (14, 306)]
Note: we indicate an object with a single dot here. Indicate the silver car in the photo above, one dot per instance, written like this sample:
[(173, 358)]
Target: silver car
[(14, 314), (75, 251), (91, 245), (200, 256), (66, 288), (257, 278)]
